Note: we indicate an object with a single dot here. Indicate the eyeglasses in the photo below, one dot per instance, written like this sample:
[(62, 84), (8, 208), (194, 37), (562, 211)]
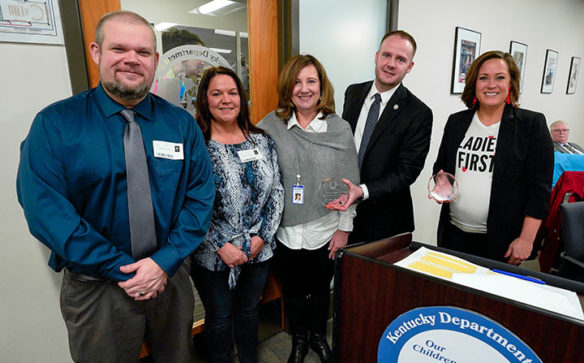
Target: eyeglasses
[(561, 130)]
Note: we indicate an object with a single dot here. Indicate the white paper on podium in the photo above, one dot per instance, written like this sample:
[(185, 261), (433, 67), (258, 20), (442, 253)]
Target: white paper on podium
[(462, 272)]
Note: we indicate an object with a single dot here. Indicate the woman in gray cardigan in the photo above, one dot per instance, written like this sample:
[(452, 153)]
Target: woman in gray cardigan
[(313, 144)]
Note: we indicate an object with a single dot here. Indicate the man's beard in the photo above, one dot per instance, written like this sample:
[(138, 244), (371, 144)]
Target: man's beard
[(125, 93)]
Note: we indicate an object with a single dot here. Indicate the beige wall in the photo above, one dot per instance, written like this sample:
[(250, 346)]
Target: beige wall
[(33, 76)]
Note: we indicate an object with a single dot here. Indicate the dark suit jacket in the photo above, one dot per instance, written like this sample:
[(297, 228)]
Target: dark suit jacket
[(522, 175), (393, 160), (559, 148)]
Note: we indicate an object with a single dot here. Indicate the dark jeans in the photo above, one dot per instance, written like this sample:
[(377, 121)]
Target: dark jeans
[(229, 312), (458, 240), (106, 325)]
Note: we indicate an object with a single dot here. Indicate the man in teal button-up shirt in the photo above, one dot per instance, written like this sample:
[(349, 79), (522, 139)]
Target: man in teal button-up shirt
[(73, 188)]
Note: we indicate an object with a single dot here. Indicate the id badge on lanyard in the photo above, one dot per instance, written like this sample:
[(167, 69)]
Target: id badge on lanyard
[(297, 194)]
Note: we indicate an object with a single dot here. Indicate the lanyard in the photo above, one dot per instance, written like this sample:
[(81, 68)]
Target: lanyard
[(317, 131)]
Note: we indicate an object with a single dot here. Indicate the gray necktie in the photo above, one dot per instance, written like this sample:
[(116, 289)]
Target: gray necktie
[(142, 228), (372, 117)]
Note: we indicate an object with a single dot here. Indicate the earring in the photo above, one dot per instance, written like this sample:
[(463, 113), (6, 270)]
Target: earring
[(508, 98), (474, 102)]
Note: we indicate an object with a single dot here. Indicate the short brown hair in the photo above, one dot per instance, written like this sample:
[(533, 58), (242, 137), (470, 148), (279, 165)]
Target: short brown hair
[(287, 81), (469, 94), (404, 35), (125, 16), (204, 117)]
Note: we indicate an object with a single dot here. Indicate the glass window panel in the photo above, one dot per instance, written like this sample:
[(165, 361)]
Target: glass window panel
[(190, 42), (346, 42)]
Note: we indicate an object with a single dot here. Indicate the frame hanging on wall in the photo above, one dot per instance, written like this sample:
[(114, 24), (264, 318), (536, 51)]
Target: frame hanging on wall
[(519, 53), (573, 75), (549, 71), (30, 22), (467, 47)]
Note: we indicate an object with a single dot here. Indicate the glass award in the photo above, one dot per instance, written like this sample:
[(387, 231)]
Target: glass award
[(443, 186), (331, 189)]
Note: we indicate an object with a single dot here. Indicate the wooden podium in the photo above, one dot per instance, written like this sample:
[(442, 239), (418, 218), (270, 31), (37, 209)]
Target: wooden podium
[(370, 292)]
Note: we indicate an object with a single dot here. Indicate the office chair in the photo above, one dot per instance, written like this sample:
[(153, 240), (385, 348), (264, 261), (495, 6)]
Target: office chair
[(573, 237)]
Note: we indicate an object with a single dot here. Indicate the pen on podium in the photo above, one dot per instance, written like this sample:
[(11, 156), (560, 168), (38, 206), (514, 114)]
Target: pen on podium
[(519, 276)]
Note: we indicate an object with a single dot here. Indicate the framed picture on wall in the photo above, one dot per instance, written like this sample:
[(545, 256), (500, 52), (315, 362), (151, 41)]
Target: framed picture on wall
[(573, 75), (519, 53), (467, 47), (549, 71), (31, 22)]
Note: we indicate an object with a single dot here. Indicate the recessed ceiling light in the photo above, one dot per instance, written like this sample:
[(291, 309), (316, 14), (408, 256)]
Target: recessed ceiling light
[(220, 50), (218, 7), (230, 33), (214, 5), (163, 26)]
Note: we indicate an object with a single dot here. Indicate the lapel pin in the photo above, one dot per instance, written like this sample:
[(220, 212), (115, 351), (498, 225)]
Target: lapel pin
[(396, 106)]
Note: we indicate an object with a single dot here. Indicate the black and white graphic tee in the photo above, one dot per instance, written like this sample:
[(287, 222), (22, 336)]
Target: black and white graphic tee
[(475, 160)]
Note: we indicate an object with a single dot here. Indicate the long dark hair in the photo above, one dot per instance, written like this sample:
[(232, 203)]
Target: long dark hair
[(204, 116)]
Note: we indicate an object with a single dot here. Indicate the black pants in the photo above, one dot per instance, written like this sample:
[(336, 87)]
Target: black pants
[(458, 240), (306, 276)]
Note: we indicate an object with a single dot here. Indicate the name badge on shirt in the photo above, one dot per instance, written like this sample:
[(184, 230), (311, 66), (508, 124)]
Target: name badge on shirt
[(250, 155), (297, 194), (168, 150)]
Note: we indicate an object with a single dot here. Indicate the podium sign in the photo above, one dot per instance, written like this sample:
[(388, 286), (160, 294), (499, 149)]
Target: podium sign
[(448, 334)]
